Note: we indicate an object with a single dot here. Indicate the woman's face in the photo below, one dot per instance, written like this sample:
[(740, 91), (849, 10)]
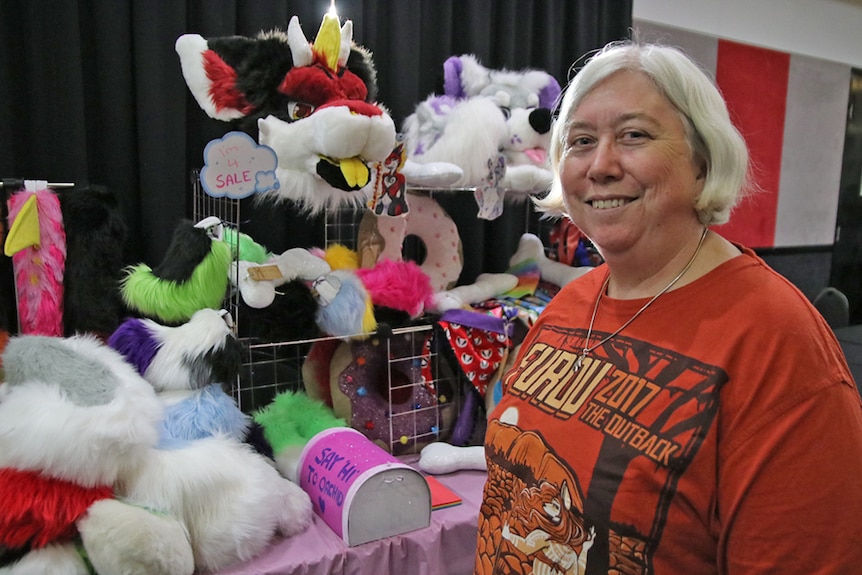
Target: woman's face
[(627, 171)]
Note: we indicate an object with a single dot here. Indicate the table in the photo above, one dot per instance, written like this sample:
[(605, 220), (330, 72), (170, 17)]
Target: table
[(850, 338), (446, 547)]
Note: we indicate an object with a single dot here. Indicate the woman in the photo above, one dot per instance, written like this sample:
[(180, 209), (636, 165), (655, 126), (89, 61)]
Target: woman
[(684, 407)]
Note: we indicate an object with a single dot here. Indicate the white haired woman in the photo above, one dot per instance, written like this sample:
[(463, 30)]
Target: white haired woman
[(681, 408)]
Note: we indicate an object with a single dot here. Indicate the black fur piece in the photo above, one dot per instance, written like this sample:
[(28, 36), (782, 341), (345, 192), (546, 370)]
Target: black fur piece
[(291, 316), (261, 64), (219, 366), (188, 248), (95, 241), (257, 440)]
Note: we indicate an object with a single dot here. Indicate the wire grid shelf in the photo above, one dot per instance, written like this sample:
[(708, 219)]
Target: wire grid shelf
[(406, 424), (271, 368)]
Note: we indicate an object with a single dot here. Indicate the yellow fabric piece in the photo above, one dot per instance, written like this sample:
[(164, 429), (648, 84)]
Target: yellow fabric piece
[(355, 172), (24, 231), (328, 40)]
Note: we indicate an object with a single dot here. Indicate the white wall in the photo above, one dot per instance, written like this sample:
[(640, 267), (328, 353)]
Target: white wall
[(827, 29)]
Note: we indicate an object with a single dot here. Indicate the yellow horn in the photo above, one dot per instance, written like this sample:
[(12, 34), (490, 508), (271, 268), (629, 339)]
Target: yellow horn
[(328, 40)]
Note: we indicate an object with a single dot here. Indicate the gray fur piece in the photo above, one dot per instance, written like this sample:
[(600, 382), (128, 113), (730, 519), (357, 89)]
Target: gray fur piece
[(84, 381)]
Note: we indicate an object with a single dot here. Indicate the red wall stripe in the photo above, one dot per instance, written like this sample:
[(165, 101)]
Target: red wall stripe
[(754, 82)]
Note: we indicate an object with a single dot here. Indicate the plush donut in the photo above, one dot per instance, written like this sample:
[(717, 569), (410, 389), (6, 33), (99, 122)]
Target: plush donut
[(383, 237), (359, 381)]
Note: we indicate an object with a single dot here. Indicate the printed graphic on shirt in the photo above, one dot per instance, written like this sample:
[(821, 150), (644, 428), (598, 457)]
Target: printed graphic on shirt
[(576, 504)]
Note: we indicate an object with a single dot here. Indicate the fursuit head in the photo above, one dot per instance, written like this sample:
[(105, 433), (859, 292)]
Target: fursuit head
[(313, 104), (485, 114)]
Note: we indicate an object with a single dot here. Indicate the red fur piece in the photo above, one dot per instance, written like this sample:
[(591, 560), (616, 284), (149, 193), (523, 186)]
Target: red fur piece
[(39, 510), (223, 91), (398, 285)]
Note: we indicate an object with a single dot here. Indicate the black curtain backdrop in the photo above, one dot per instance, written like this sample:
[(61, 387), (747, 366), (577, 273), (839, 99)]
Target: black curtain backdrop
[(91, 92)]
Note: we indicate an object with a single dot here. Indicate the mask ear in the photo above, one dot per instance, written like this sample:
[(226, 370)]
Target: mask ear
[(211, 80)]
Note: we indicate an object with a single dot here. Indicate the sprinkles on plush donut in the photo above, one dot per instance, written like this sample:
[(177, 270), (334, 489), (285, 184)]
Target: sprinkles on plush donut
[(378, 387)]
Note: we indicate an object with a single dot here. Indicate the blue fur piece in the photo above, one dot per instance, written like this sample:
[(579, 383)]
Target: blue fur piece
[(343, 316), (208, 411)]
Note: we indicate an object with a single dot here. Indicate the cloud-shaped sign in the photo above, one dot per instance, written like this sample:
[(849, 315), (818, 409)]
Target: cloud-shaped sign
[(236, 166)]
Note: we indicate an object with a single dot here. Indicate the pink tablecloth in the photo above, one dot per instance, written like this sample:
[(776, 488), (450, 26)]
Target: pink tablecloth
[(446, 547)]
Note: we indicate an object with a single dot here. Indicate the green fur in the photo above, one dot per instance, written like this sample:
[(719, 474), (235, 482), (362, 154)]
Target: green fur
[(244, 248), (173, 302), (293, 418)]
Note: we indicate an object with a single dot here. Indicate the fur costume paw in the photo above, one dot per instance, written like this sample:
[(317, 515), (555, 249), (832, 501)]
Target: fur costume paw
[(231, 499), (397, 287), (346, 309), (530, 247), (289, 422), (484, 113), (74, 418), (313, 104), (193, 275), (258, 282)]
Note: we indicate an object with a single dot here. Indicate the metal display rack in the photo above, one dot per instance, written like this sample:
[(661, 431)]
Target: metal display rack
[(273, 367)]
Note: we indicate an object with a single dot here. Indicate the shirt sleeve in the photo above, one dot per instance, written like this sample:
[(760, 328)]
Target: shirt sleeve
[(790, 495)]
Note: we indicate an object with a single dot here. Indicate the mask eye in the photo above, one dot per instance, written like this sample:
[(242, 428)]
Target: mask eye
[(299, 110)]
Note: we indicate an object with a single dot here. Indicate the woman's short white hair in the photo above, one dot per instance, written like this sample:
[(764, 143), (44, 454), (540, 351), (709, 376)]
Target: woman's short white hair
[(711, 135)]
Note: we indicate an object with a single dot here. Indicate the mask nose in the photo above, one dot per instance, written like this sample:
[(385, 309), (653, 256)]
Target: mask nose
[(540, 120)]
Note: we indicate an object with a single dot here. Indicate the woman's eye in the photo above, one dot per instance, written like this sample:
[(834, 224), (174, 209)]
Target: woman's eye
[(634, 135), (299, 110)]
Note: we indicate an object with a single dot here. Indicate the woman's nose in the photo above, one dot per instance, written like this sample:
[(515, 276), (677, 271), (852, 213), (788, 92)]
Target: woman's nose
[(605, 162)]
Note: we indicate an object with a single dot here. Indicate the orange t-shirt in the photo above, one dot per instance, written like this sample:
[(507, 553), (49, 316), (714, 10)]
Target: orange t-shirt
[(720, 432)]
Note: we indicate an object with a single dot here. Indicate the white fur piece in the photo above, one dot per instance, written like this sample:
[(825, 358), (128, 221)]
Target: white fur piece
[(486, 286), (123, 539), (439, 458), (460, 142), (54, 559), (231, 500), (300, 49), (433, 175), (530, 248), (292, 264), (334, 132), (169, 370), (527, 179), (108, 438), (287, 461), (190, 48)]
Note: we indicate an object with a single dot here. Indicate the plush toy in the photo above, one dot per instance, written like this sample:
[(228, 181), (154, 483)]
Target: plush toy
[(231, 499), (487, 118), (75, 418), (193, 275), (313, 104)]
